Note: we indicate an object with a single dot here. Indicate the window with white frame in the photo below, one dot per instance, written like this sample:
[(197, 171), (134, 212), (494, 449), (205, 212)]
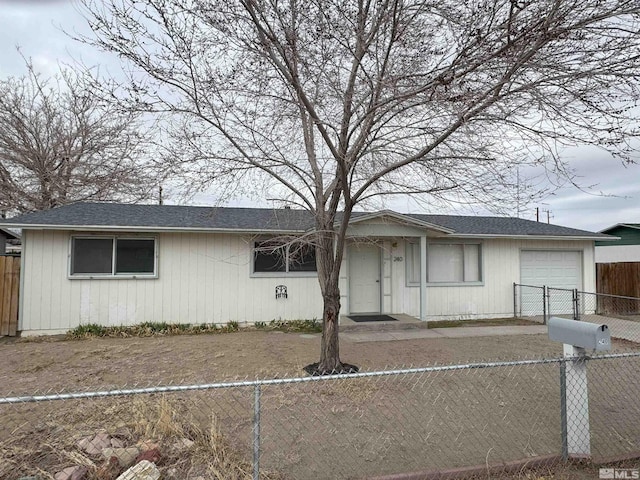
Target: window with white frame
[(112, 256), (446, 263), (270, 257)]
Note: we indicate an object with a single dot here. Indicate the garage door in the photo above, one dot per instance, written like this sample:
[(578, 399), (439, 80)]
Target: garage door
[(559, 269)]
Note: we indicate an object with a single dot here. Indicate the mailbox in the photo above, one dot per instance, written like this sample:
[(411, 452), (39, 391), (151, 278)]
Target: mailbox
[(589, 336)]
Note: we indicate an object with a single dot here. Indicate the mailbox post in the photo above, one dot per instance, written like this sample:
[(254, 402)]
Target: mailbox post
[(577, 337)]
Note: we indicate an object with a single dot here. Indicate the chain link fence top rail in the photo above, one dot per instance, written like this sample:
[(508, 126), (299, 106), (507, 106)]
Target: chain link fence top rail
[(355, 426)]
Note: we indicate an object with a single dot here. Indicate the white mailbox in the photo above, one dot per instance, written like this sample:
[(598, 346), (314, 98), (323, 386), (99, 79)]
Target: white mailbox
[(589, 336)]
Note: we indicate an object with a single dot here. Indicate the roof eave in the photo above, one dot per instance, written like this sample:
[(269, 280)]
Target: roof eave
[(10, 235), (401, 218), (148, 229), (535, 237), (626, 225)]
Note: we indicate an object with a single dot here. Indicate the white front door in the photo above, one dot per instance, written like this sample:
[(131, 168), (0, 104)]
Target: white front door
[(364, 278)]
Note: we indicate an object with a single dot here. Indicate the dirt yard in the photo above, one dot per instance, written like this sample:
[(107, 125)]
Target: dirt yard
[(346, 428), (30, 366)]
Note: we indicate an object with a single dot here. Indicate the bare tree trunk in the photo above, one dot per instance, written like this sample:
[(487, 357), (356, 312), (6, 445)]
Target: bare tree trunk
[(329, 253), (328, 276), (330, 347)]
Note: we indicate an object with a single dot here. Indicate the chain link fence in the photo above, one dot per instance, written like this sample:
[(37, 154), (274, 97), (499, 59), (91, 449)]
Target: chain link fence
[(364, 425), (621, 314), (529, 302)]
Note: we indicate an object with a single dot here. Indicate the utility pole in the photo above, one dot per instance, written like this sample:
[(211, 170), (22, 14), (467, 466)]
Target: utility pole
[(537, 214), (160, 195)]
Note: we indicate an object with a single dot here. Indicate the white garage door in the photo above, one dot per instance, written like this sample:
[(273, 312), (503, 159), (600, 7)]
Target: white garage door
[(559, 269)]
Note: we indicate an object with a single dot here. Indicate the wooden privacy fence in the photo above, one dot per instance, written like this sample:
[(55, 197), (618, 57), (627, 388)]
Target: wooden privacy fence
[(621, 278), (9, 291)]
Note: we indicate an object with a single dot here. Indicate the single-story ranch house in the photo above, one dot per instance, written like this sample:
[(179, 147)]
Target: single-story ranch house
[(117, 264)]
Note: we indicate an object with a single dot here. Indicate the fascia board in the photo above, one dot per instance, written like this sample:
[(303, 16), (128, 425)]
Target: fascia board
[(137, 228), (536, 237), (401, 218)]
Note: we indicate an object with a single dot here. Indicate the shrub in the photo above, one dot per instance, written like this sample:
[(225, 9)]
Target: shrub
[(149, 329), (232, 326), (88, 330), (298, 326)]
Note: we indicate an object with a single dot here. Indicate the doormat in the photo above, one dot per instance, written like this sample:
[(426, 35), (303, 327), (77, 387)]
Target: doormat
[(372, 318)]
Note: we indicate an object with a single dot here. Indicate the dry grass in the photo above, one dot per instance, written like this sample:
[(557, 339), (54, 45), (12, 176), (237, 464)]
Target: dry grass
[(191, 447)]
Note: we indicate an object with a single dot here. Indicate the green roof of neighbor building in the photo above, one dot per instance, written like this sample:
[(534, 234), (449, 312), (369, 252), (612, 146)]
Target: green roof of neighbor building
[(629, 234)]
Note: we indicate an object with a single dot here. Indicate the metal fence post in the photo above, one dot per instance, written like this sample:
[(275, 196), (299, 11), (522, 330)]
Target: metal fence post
[(256, 432), (548, 309), (574, 301), (544, 304), (563, 410), (515, 300)]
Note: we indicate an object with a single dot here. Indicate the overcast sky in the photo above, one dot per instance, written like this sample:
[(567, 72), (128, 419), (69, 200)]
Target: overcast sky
[(36, 26)]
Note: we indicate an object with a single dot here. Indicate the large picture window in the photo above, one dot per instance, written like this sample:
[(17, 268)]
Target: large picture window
[(112, 256), (272, 258), (446, 263)]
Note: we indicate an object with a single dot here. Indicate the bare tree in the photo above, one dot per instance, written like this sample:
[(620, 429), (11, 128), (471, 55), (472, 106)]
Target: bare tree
[(61, 144), (340, 102)]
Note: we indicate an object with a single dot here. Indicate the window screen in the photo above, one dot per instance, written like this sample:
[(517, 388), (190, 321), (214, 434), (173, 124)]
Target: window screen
[(135, 256), (472, 263), (273, 257), (453, 263), (95, 256), (92, 256), (413, 263), (269, 258), (302, 259), (445, 263)]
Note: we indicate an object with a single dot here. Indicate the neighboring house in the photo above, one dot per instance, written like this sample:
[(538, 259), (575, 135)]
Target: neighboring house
[(626, 249), (7, 236), (125, 264)]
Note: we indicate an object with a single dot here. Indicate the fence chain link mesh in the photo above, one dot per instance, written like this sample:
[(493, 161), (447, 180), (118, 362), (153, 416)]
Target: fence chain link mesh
[(358, 426), (529, 302), (365, 425), (621, 314)]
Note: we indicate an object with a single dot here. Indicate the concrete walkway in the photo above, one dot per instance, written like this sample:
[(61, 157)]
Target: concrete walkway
[(453, 332)]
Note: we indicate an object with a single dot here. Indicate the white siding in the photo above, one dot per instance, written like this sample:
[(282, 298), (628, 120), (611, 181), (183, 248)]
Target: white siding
[(202, 278), (493, 299)]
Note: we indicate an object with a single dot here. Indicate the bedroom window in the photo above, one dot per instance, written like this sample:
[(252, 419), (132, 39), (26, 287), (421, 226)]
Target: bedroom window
[(112, 256), (455, 263), (272, 258)]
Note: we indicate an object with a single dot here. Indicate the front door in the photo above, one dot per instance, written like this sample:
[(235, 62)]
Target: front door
[(364, 278)]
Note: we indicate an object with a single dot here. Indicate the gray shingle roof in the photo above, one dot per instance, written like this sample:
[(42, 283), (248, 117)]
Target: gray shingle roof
[(167, 216), (162, 217), (472, 225)]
